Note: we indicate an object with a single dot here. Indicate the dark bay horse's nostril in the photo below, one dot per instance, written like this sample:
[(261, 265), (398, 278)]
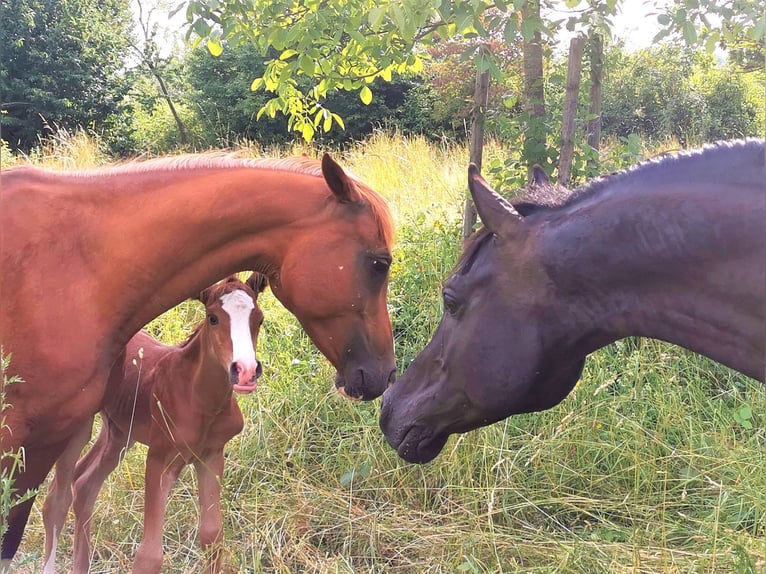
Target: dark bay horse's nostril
[(391, 379)]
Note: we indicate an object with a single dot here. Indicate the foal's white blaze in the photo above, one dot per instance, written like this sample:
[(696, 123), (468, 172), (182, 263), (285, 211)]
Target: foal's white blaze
[(238, 305)]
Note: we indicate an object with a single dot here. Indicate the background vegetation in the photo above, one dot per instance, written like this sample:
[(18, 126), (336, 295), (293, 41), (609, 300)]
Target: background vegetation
[(654, 464)]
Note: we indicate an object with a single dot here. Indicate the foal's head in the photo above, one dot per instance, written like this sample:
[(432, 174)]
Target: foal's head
[(231, 326)]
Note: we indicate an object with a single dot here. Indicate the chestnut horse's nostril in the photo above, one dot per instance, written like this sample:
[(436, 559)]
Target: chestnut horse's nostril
[(258, 370)]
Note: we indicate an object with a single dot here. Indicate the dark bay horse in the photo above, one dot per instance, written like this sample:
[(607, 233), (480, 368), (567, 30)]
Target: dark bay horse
[(87, 258), (178, 401), (674, 249)]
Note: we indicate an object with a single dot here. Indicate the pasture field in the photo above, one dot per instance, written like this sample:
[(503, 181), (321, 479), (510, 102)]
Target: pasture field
[(656, 463)]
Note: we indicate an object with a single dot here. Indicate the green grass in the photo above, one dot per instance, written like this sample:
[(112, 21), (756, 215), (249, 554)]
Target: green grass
[(654, 464)]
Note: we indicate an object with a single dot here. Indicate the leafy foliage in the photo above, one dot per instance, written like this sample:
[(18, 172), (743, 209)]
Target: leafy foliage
[(738, 27), (61, 66)]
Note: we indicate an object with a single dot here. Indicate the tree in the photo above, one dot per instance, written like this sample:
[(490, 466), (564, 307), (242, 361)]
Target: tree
[(61, 65), (149, 54), (738, 26)]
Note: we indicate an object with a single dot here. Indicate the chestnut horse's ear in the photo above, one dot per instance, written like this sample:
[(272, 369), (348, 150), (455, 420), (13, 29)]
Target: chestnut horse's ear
[(257, 282), (340, 183), (495, 212), (539, 177)]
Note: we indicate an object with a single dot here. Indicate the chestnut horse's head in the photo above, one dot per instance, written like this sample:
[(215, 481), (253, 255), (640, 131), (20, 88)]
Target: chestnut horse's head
[(230, 331), (491, 355), (334, 278)]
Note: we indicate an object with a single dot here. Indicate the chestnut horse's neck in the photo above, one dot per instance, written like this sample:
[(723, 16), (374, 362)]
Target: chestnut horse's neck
[(154, 234), (674, 256)]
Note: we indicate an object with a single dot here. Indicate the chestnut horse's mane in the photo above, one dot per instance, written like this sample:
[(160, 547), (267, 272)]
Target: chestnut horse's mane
[(302, 165)]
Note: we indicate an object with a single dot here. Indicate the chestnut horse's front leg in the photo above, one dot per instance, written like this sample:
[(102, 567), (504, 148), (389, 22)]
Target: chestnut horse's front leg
[(38, 462), (163, 465), (59, 498), (209, 474)]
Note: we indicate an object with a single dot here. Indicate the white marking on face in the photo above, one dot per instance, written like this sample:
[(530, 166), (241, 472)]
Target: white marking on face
[(238, 305)]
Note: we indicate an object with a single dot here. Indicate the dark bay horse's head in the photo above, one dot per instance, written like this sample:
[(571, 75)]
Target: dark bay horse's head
[(494, 353), (334, 279)]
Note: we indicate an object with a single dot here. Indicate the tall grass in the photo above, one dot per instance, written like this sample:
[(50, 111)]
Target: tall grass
[(654, 464)]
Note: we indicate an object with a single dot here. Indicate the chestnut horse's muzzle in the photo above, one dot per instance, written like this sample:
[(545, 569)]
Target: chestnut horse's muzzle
[(363, 384)]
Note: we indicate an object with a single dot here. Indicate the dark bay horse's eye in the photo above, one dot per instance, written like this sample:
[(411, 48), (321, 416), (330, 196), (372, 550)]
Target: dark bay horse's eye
[(212, 319), (451, 304)]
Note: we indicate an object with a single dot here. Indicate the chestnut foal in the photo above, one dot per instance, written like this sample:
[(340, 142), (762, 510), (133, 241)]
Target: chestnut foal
[(177, 400)]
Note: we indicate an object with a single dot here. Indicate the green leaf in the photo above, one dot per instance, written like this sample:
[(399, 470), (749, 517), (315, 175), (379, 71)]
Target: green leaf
[(689, 32), (287, 54), (257, 84), (376, 16), (339, 121), (306, 65), (365, 94), (214, 47)]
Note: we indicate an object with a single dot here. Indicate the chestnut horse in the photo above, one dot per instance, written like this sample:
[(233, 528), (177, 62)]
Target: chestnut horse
[(89, 257), (178, 401), (673, 249)]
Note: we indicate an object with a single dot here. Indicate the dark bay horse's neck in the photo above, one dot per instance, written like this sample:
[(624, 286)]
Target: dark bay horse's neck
[(170, 238), (681, 263)]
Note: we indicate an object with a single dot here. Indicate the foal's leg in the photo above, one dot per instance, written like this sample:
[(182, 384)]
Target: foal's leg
[(209, 473), (90, 474), (163, 465), (59, 498)]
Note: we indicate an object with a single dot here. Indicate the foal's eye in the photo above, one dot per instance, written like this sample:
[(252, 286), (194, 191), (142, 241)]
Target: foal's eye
[(212, 319)]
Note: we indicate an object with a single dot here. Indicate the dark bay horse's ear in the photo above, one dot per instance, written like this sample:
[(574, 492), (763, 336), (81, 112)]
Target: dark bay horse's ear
[(495, 212), (539, 177), (257, 282), (340, 183)]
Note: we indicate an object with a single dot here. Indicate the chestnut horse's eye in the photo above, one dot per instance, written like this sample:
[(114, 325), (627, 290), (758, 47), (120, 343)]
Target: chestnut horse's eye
[(380, 265), (212, 319)]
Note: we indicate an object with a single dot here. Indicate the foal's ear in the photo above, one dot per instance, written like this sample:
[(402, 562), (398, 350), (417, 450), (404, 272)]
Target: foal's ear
[(257, 282), (340, 183), (495, 212), (204, 296)]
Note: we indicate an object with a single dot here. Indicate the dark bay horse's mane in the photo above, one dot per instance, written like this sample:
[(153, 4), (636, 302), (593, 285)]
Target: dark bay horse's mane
[(729, 158)]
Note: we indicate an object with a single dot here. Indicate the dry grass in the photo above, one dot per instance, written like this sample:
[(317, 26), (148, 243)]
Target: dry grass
[(649, 466)]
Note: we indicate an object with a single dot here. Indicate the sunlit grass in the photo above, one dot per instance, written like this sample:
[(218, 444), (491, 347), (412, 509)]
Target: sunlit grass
[(654, 464)]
